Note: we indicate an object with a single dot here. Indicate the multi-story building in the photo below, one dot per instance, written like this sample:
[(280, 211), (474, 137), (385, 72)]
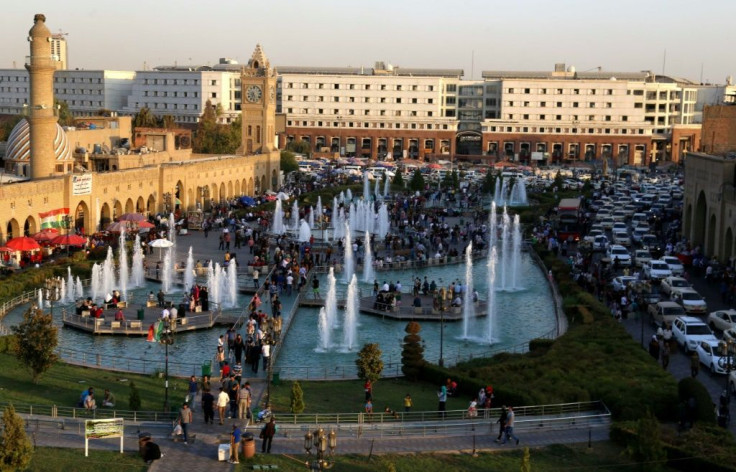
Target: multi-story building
[(377, 112), (58, 50)]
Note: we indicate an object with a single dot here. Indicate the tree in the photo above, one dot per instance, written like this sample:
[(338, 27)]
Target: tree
[(214, 138), (134, 398), (36, 339), (168, 122), (297, 398), (299, 147), (65, 116), (398, 181), (15, 447), (489, 183), (412, 354), (369, 363), (288, 162), (8, 126), (145, 119), (416, 183)]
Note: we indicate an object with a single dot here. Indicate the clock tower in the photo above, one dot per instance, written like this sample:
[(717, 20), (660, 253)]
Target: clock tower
[(258, 105)]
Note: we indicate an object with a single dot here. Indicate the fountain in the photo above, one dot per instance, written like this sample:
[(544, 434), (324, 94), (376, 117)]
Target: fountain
[(137, 278), (515, 254), (368, 271), (96, 281), (491, 302), (386, 185), (348, 195), (213, 282), (377, 190), (108, 274), (319, 210), (123, 268), (232, 283), (518, 194), (69, 285), (350, 329), (468, 306), (39, 299), (335, 211), (61, 291), (78, 288), (278, 219), (497, 192), (305, 234), (311, 218), (366, 187), (493, 227), (349, 262), (172, 228), (325, 331), (167, 271), (505, 250), (189, 271), (331, 299), (383, 222), (295, 216)]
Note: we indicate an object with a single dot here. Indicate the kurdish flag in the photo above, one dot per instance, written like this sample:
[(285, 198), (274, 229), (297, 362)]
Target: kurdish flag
[(154, 332), (53, 218)]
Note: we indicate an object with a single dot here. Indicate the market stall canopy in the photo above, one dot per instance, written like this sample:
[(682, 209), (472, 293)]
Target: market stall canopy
[(69, 240), (23, 244), (46, 234)]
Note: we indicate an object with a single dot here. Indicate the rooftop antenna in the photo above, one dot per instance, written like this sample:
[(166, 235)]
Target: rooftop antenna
[(664, 61)]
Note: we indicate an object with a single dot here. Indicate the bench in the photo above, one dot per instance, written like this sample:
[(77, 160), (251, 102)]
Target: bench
[(135, 324), (122, 304), (182, 321), (115, 324), (151, 303), (418, 310)]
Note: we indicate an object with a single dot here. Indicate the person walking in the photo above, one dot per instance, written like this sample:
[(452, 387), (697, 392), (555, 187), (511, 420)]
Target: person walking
[(223, 400), (654, 347), (243, 402), (267, 434), (185, 417), (192, 393), (665, 354), (510, 420), (502, 422), (235, 437), (208, 403), (442, 397), (694, 364)]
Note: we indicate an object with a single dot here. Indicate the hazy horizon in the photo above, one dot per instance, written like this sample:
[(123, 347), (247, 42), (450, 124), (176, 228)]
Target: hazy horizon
[(673, 37)]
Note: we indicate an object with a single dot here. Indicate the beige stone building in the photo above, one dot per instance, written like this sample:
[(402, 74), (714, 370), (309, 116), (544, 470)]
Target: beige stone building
[(63, 168)]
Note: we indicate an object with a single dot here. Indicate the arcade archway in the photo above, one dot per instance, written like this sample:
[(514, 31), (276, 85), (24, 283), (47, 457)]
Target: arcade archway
[(105, 215), (701, 210), (81, 217), (469, 143), (12, 230), (29, 227)]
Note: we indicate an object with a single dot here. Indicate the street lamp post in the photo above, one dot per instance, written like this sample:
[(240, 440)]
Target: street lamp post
[(320, 441), (52, 293), (167, 339), (67, 225)]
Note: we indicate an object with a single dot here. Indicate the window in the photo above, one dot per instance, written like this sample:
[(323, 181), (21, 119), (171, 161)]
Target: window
[(305, 98), (430, 88), (608, 118), (591, 104), (510, 90), (638, 105), (451, 88), (559, 104), (542, 104), (542, 117), (214, 95), (414, 100), (609, 105), (525, 116), (526, 104), (398, 100), (366, 100), (414, 88), (352, 86), (383, 87), (430, 100), (367, 87), (450, 101), (576, 91), (526, 90), (592, 91), (558, 117), (624, 118), (575, 104), (213, 82), (398, 87)]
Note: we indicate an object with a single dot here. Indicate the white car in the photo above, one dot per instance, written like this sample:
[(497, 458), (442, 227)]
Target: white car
[(688, 331), (619, 216), (590, 237), (600, 243), (691, 301), (641, 257), (675, 265), (722, 320), (618, 253), (607, 222), (637, 234), (621, 282), (619, 226), (621, 238), (711, 356), (656, 269), (669, 283), (643, 225)]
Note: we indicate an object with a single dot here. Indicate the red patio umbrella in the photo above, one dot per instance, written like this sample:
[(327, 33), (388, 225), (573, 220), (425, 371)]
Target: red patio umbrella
[(69, 240), (131, 217), (23, 244), (46, 234), (146, 224), (6, 249)]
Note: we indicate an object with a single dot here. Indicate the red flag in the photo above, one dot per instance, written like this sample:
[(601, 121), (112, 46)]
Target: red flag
[(151, 334)]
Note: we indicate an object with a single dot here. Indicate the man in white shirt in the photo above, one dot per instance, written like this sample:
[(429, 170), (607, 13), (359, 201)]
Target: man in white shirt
[(266, 353), (223, 401)]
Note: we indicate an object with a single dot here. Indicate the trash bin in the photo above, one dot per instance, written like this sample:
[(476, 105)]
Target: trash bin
[(248, 445), (141, 314), (276, 378), (143, 439), (207, 369)]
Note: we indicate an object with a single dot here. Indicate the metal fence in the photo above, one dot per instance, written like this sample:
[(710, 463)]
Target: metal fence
[(131, 365), (55, 411)]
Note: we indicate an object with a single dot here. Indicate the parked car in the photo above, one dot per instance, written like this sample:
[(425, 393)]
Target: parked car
[(710, 355), (662, 313), (722, 320), (668, 283), (656, 270), (675, 265), (692, 301), (688, 331), (641, 257)]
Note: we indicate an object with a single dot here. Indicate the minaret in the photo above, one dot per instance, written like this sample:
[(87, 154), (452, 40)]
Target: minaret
[(41, 118)]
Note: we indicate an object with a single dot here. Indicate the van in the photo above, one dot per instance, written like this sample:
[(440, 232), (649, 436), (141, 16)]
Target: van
[(377, 171)]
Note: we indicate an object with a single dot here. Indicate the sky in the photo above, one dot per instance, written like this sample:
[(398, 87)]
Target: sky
[(675, 37)]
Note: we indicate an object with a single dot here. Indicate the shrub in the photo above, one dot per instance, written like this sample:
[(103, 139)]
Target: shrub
[(297, 398), (134, 398), (15, 448), (689, 388), (412, 354)]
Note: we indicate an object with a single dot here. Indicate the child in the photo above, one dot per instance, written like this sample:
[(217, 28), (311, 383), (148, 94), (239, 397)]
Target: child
[(473, 409), (408, 403)]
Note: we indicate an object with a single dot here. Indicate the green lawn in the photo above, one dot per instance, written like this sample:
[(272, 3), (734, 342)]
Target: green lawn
[(47, 459), (347, 396), (601, 457), (63, 384)]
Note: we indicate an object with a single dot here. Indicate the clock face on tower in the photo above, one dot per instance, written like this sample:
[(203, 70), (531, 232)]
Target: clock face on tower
[(253, 94)]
